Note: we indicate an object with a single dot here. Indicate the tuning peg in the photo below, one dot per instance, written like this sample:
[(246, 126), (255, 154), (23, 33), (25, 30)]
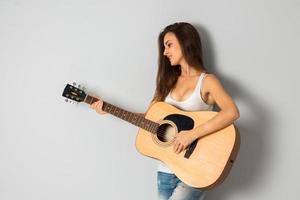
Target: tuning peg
[(79, 86), (66, 100), (74, 84)]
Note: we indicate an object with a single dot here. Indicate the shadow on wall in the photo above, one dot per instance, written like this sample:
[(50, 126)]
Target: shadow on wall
[(252, 160)]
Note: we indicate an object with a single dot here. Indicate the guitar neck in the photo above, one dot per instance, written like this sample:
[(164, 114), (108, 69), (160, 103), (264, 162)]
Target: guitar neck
[(130, 117)]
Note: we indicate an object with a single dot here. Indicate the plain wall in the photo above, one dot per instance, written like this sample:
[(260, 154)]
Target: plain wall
[(53, 150)]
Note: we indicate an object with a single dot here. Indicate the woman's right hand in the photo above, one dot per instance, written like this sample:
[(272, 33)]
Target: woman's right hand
[(97, 106)]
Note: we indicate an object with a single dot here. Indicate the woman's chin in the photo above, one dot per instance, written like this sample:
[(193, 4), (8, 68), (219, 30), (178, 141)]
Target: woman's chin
[(172, 63)]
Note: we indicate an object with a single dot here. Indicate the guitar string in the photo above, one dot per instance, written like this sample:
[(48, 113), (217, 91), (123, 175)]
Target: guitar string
[(158, 133)]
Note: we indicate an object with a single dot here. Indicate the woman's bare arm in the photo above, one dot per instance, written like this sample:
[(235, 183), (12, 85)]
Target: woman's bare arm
[(228, 113)]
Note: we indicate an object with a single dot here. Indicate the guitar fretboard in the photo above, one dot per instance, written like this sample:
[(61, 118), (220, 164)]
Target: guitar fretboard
[(130, 117)]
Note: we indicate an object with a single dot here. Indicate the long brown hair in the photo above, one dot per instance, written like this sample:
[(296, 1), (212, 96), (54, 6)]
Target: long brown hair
[(190, 43)]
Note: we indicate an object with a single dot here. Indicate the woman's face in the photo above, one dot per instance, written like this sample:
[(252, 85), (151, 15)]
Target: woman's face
[(172, 49)]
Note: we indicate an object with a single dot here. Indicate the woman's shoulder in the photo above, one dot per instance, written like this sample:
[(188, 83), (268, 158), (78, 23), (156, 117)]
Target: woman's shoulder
[(210, 79), (210, 84)]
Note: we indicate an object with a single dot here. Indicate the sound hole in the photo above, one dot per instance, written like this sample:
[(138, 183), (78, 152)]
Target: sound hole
[(166, 133)]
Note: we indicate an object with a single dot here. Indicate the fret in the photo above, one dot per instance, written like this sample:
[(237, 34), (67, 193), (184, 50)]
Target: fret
[(135, 119), (120, 113), (86, 99), (147, 125), (116, 111), (107, 108), (91, 100), (138, 120), (123, 114), (152, 128), (143, 123), (131, 118), (113, 110), (127, 116), (155, 127), (94, 100)]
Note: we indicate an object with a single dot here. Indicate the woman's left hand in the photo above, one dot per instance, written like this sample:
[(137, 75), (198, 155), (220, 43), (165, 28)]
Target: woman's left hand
[(182, 140)]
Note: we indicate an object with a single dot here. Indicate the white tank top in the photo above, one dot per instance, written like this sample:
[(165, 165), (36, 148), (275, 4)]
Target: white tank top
[(193, 103)]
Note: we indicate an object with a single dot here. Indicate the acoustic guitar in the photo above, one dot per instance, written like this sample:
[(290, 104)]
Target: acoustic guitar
[(203, 164)]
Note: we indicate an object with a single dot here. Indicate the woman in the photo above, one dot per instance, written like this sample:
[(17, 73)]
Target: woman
[(183, 81)]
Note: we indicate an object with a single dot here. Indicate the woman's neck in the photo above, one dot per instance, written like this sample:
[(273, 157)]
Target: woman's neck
[(188, 71)]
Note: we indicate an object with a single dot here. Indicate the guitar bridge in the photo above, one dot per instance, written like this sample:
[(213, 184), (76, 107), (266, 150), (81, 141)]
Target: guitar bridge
[(190, 149)]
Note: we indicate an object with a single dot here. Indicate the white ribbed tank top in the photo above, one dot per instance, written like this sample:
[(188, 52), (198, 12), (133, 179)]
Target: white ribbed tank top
[(193, 103)]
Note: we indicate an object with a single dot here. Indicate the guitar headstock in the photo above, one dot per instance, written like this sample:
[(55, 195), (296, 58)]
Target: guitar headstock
[(74, 93)]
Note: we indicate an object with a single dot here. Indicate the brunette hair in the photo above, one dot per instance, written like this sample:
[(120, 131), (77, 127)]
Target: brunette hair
[(190, 43)]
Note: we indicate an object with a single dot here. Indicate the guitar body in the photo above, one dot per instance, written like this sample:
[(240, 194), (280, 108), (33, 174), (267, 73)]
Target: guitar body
[(209, 159)]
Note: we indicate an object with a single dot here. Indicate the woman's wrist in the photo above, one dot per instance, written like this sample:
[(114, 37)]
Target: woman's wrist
[(198, 132)]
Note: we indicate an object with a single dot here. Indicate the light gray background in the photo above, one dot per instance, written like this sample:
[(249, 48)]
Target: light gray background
[(53, 150)]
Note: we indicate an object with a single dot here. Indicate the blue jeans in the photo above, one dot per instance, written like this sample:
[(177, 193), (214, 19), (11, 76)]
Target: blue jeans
[(171, 188)]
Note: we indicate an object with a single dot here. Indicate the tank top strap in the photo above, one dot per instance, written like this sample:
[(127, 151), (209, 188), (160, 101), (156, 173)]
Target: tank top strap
[(199, 83)]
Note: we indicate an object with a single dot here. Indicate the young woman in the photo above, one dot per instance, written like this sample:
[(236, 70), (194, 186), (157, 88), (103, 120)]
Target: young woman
[(183, 81)]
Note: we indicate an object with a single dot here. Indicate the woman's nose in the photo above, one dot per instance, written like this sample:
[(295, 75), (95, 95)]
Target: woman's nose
[(165, 52)]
